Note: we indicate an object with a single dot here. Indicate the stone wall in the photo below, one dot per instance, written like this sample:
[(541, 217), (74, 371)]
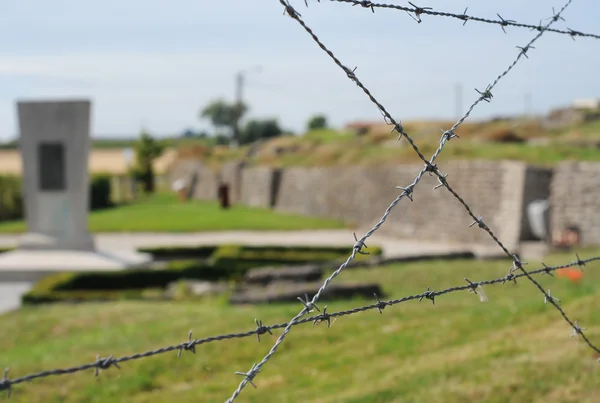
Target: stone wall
[(575, 199), (201, 180), (360, 196), (259, 186), (500, 191), (231, 174)]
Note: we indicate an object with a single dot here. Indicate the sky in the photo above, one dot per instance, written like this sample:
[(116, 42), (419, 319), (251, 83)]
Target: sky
[(155, 64)]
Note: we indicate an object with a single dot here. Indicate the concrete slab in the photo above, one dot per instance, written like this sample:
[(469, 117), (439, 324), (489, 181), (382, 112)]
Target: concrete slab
[(10, 295), (31, 265), (392, 247)]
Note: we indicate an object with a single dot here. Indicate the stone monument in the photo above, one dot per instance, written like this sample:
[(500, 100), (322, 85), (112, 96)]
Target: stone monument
[(55, 145)]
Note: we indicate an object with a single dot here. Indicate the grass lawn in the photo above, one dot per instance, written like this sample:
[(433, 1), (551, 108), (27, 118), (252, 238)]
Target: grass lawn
[(164, 213), (511, 348)]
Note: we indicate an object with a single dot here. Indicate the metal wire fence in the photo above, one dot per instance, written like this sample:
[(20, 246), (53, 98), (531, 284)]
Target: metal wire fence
[(517, 270)]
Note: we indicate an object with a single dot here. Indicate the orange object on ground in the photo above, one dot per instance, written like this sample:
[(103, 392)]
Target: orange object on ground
[(575, 275)]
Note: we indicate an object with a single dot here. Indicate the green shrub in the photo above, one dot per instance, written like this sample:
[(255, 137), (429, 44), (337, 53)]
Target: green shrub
[(100, 197), (11, 198), (227, 262), (127, 284), (228, 255), (170, 252)]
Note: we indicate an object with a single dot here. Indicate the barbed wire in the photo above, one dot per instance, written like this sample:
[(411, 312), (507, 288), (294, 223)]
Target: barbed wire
[(104, 363), (359, 245), (430, 167), (502, 22)]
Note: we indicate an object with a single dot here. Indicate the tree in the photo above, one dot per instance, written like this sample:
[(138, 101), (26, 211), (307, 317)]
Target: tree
[(260, 129), (317, 122), (147, 149), (225, 115)]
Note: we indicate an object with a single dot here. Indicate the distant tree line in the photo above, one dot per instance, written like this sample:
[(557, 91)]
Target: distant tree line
[(225, 117)]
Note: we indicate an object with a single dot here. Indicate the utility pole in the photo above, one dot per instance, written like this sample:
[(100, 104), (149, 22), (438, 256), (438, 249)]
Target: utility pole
[(239, 89), (239, 83)]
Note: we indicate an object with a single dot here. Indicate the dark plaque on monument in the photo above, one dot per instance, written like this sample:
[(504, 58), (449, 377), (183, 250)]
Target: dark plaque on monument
[(51, 166)]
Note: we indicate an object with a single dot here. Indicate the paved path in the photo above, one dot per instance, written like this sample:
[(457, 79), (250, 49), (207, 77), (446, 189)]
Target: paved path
[(391, 247)]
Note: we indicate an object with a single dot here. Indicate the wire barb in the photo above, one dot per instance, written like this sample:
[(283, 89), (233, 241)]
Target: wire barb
[(442, 182), (324, 317), (407, 191), (417, 12), (309, 306), (448, 135), (549, 297), (5, 383), (577, 330), (547, 270), (505, 23), (365, 4), (359, 245), (472, 286), (524, 50), (486, 95), (190, 345), (479, 222), (380, 304), (249, 376), (105, 363), (428, 294), (261, 329), (580, 263)]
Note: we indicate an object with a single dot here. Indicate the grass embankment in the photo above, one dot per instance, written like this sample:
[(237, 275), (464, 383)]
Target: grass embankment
[(488, 140), (163, 213), (511, 348)]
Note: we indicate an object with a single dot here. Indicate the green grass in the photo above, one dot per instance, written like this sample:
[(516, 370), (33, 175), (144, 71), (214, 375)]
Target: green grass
[(511, 348), (163, 213)]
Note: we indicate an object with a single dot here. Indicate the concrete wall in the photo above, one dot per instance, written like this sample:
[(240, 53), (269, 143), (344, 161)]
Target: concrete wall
[(202, 181), (575, 199), (500, 191), (231, 174), (360, 196), (259, 186)]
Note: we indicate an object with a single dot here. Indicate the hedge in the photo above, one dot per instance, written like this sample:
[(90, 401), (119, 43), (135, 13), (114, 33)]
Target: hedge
[(100, 191), (180, 252), (11, 198), (228, 262)]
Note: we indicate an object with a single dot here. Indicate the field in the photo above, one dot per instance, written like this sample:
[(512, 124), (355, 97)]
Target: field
[(163, 213), (102, 160), (510, 348)]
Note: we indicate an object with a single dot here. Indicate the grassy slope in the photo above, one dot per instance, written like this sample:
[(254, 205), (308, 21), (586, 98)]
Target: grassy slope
[(512, 348), (327, 147), (164, 213)]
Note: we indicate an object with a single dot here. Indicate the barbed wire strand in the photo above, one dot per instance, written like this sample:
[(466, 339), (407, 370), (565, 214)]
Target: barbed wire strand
[(418, 11), (105, 363), (407, 191), (190, 344)]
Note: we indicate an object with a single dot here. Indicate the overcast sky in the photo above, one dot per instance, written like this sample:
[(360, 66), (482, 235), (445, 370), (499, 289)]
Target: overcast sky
[(156, 63)]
